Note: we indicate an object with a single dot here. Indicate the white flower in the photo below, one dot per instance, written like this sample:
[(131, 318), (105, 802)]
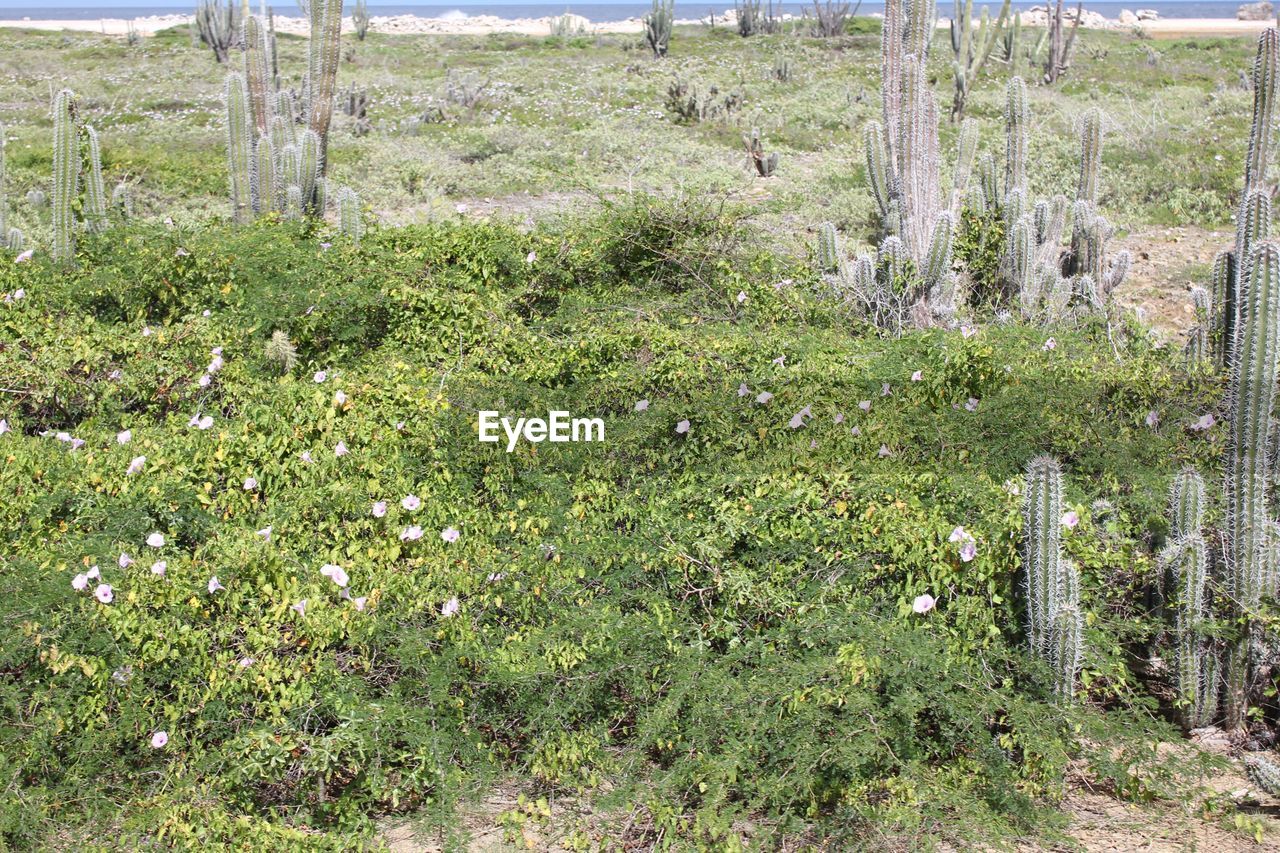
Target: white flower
[(411, 534), (215, 365), (250, 484), (94, 573), (341, 449), (411, 502), (125, 561), (742, 296), (159, 739), (641, 405), (1050, 344), (265, 533), (104, 593), (334, 573), (1070, 520), (450, 608), (683, 427), (80, 582), (320, 377), (135, 465), (204, 380), (530, 258), (449, 535), (214, 585), (124, 436), (917, 376), (156, 540), (923, 603), (205, 422), (379, 509), (159, 567), (339, 397), (4, 426)]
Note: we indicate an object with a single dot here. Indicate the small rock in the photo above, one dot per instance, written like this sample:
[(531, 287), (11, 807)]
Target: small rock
[(1127, 18), (1148, 15), (1255, 12)]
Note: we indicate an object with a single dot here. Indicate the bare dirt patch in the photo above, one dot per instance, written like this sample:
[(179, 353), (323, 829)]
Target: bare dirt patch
[(1167, 263)]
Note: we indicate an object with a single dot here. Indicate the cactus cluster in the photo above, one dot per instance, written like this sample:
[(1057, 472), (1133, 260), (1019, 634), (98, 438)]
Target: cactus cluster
[(1055, 620), (350, 222), (1186, 561), (77, 180), (1263, 772), (217, 22), (1060, 42), (971, 55), (360, 20), (273, 167)]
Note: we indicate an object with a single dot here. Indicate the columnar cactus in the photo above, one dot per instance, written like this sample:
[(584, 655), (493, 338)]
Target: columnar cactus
[(1042, 548), (1254, 354), (309, 167), (830, 257), (122, 201), (217, 22), (1222, 305), (258, 74), (239, 148), (66, 175), (764, 163), (322, 76), (349, 220), (1186, 560), (95, 192), (970, 58), (1198, 339), (1263, 772), (1058, 59), (265, 184), (1055, 619), (657, 27), (1090, 157), (1017, 116)]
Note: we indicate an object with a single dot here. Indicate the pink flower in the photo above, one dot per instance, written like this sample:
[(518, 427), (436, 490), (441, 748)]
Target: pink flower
[(1153, 419), (959, 535), (449, 535), (215, 365), (339, 397), (968, 331), (743, 390), (411, 534), (305, 456), (411, 502), (742, 296), (923, 603), (80, 582), (156, 540), (23, 257), (641, 405), (124, 436), (250, 484), (797, 420), (884, 451), (884, 390), (763, 397), (682, 428), (359, 602), (341, 449), (1070, 520), (93, 574), (1050, 344), (158, 568), (246, 662), (265, 533), (781, 361), (135, 465), (839, 418), (214, 585), (917, 376), (972, 405), (450, 608), (865, 405), (159, 739), (335, 574), (320, 377), (855, 431), (300, 608), (379, 509), (968, 551), (1205, 422), (4, 426), (125, 561), (103, 593)]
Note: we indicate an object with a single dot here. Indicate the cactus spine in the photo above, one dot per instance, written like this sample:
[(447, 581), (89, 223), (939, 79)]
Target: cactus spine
[(1254, 353), (239, 148), (66, 175)]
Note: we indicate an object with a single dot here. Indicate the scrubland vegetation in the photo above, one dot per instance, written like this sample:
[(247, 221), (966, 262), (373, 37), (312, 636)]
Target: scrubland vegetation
[(902, 526)]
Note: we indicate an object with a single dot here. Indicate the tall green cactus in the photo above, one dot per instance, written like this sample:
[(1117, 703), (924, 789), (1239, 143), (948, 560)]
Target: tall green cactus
[(239, 148), (1055, 618), (66, 175), (265, 184), (258, 75), (95, 191), (309, 168), (1254, 354), (1186, 560), (1090, 157), (970, 58), (1042, 547), (1017, 117), (349, 220), (322, 74), (829, 255), (1222, 305), (657, 27)]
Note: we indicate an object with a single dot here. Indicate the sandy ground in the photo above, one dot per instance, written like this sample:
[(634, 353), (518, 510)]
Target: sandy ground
[(483, 24)]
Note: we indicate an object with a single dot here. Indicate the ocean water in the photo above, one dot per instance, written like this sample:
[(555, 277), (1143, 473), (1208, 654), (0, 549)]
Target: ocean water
[(599, 12)]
